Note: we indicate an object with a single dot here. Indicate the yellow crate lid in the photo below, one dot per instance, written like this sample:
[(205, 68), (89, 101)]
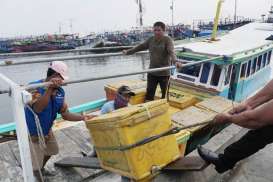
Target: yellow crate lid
[(132, 114), (217, 104), (192, 115), (138, 86), (178, 98)]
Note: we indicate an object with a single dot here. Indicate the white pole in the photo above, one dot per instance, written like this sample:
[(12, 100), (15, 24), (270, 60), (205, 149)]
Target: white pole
[(17, 96), (172, 14)]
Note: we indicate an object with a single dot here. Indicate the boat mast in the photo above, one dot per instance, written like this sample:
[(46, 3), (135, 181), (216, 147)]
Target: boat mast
[(71, 25), (216, 20), (140, 11), (235, 12), (172, 13), (60, 28)]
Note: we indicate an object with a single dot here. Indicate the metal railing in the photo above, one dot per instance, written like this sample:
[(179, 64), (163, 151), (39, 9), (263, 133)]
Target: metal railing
[(19, 98), (9, 55), (66, 58), (61, 58), (44, 84)]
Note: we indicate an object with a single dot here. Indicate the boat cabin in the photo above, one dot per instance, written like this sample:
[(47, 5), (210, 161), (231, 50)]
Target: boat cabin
[(239, 68)]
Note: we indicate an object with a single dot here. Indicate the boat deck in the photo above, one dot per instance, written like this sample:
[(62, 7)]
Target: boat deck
[(74, 139)]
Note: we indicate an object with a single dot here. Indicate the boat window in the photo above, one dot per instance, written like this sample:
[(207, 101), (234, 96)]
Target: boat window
[(205, 73), (259, 62), (253, 66), (216, 75), (243, 70), (269, 57), (248, 68), (264, 60), (191, 70), (227, 74)]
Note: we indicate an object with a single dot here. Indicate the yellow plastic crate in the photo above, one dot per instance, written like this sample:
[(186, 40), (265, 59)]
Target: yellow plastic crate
[(137, 86), (173, 110), (127, 126), (182, 138), (178, 98)]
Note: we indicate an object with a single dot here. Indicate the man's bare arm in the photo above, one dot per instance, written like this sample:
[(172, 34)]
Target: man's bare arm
[(262, 96)]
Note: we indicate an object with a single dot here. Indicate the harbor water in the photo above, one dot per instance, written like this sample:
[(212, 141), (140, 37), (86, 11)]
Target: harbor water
[(76, 94)]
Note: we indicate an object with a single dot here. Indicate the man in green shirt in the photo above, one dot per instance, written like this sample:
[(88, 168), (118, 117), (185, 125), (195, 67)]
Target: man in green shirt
[(161, 49)]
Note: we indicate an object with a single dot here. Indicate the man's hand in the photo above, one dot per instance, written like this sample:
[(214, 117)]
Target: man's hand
[(56, 83), (240, 108), (125, 52), (221, 118), (178, 64), (88, 117)]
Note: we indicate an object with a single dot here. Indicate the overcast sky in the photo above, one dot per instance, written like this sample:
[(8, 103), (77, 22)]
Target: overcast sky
[(32, 17)]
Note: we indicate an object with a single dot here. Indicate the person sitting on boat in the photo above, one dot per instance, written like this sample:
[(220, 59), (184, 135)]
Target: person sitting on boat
[(121, 100), (161, 49), (256, 114), (42, 111)]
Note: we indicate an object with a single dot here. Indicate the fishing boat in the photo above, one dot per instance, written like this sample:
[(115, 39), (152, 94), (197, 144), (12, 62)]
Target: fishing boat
[(218, 73)]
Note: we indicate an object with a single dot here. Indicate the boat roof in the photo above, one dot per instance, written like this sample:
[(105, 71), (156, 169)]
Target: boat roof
[(247, 37)]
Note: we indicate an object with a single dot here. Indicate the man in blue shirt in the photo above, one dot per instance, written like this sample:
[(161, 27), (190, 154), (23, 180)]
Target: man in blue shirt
[(42, 111)]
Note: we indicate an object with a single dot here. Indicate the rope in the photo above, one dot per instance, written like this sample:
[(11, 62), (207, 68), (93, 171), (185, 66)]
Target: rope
[(41, 139), (168, 90), (148, 112), (35, 156), (40, 133)]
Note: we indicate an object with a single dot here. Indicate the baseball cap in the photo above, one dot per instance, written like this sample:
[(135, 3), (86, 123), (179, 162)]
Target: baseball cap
[(126, 90), (61, 68)]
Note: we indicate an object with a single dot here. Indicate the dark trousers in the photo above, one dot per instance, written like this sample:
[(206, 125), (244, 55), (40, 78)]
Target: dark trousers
[(152, 82), (249, 144)]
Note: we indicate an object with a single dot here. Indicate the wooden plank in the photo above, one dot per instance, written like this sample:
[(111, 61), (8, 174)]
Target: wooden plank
[(9, 172), (13, 145), (7, 155), (10, 168), (80, 135), (83, 162), (191, 163), (109, 177), (69, 148)]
